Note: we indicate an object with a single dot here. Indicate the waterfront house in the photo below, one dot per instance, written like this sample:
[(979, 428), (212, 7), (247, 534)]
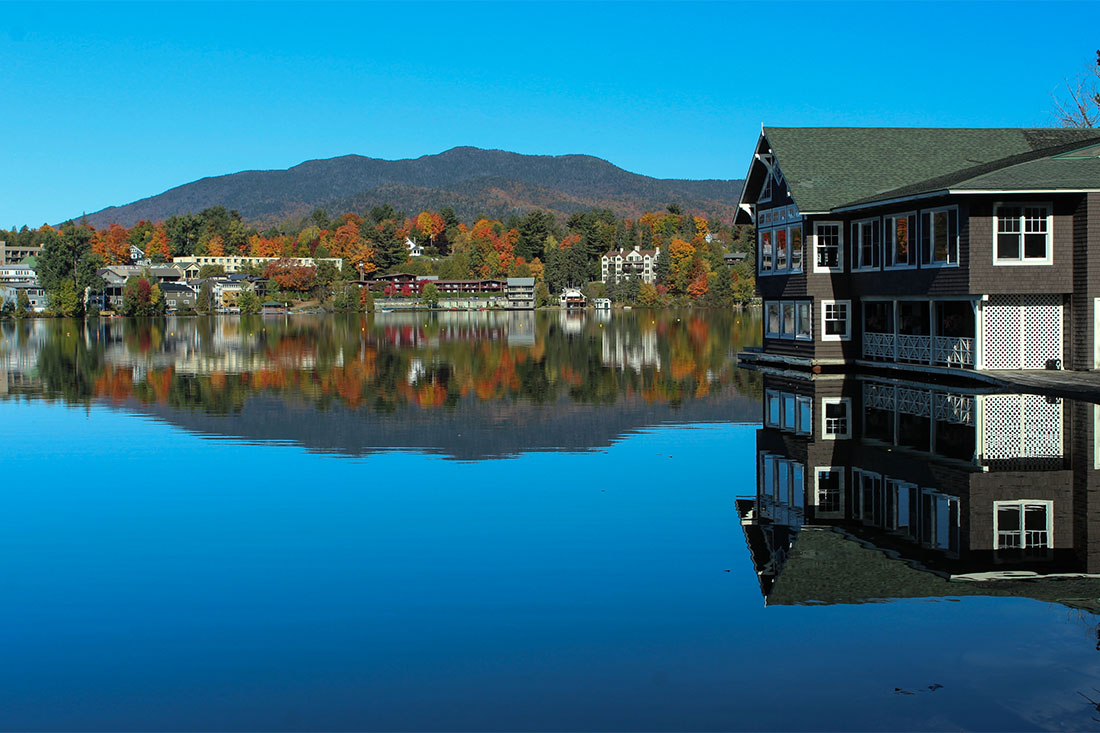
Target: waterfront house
[(571, 298), (520, 292), (115, 278), (178, 295), (927, 249), (637, 264), (18, 274), (36, 296)]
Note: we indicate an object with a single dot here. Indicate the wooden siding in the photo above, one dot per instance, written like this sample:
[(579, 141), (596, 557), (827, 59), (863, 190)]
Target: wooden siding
[(987, 278)]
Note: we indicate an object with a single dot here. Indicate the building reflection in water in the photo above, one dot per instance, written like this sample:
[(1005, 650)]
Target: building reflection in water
[(871, 488)]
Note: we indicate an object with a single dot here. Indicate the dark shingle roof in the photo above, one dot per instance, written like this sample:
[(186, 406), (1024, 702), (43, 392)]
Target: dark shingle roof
[(830, 167)]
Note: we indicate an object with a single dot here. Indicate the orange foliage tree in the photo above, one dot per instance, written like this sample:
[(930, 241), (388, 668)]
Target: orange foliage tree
[(112, 245)]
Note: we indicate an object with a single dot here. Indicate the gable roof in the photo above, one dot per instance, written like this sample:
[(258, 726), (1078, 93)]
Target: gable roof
[(830, 167)]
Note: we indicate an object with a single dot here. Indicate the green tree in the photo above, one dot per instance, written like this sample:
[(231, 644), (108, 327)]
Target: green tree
[(22, 304), (211, 271), (664, 265), (430, 295), (65, 301), (248, 302), (542, 295), (204, 302)]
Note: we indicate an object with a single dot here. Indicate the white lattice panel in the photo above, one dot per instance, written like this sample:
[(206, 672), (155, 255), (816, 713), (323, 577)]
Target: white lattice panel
[(1042, 316), (1021, 426), (1001, 332), (1022, 331)]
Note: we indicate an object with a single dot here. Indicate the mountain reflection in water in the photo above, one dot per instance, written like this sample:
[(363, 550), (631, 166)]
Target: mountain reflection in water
[(468, 385), (871, 489)]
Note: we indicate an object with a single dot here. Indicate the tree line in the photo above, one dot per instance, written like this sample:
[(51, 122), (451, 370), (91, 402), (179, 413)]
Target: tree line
[(556, 252)]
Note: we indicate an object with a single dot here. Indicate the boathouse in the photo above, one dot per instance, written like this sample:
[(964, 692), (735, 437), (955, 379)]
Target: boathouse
[(927, 249)]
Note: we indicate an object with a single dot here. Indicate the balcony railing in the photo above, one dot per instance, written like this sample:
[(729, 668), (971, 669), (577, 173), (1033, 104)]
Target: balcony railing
[(952, 351)]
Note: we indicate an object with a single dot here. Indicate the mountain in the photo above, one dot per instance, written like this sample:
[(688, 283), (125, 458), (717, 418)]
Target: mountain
[(471, 180)]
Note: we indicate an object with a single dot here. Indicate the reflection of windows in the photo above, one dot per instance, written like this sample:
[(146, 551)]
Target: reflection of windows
[(867, 244), (796, 249), (782, 480), (828, 247), (773, 320), (829, 491), (1022, 234), (766, 262), (788, 411), (939, 521), (836, 322), (836, 422), (939, 236), (771, 413), (781, 249), (789, 319), (903, 506), (1023, 525), (901, 230)]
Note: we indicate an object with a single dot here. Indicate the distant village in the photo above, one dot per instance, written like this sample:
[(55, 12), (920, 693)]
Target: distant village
[(210, 263)]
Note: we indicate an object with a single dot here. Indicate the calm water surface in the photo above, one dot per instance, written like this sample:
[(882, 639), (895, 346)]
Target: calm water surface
[(527, 522)]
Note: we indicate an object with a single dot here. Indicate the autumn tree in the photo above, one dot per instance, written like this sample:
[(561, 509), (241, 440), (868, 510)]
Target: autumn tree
[(157, 249), (113, 245), (289, 275)]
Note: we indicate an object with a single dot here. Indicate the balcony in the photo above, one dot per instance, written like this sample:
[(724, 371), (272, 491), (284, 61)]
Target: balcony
[(951, 351)]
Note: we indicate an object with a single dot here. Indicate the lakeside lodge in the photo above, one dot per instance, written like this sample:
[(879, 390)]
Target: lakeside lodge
[(935, 250)]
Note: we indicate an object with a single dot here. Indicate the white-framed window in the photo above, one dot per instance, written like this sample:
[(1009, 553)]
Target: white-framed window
[(1024, 524), (836, 320), (828, 495), (901, 240), (867, 244), (939, 236), (828, 246), (794, 241), (836, 418), (771, 327), (1022, 234)]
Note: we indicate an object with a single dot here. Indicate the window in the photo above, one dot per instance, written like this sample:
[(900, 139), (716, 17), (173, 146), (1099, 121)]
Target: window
[(1022, 234), (829, 490), (766, 190), (836, 320), (766, 263), (781, 249), (867, 239), (835, 418), (773, 320), (789, 319), (900, 240), (1023, 525), (939, 234), (788, 411), (803, 321), (795, 243), (828, 247)]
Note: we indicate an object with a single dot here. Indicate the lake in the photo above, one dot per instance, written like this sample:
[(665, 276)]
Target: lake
[(529, 521)]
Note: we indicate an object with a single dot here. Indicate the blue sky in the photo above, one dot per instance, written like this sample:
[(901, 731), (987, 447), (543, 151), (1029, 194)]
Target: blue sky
[(104, 104)]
